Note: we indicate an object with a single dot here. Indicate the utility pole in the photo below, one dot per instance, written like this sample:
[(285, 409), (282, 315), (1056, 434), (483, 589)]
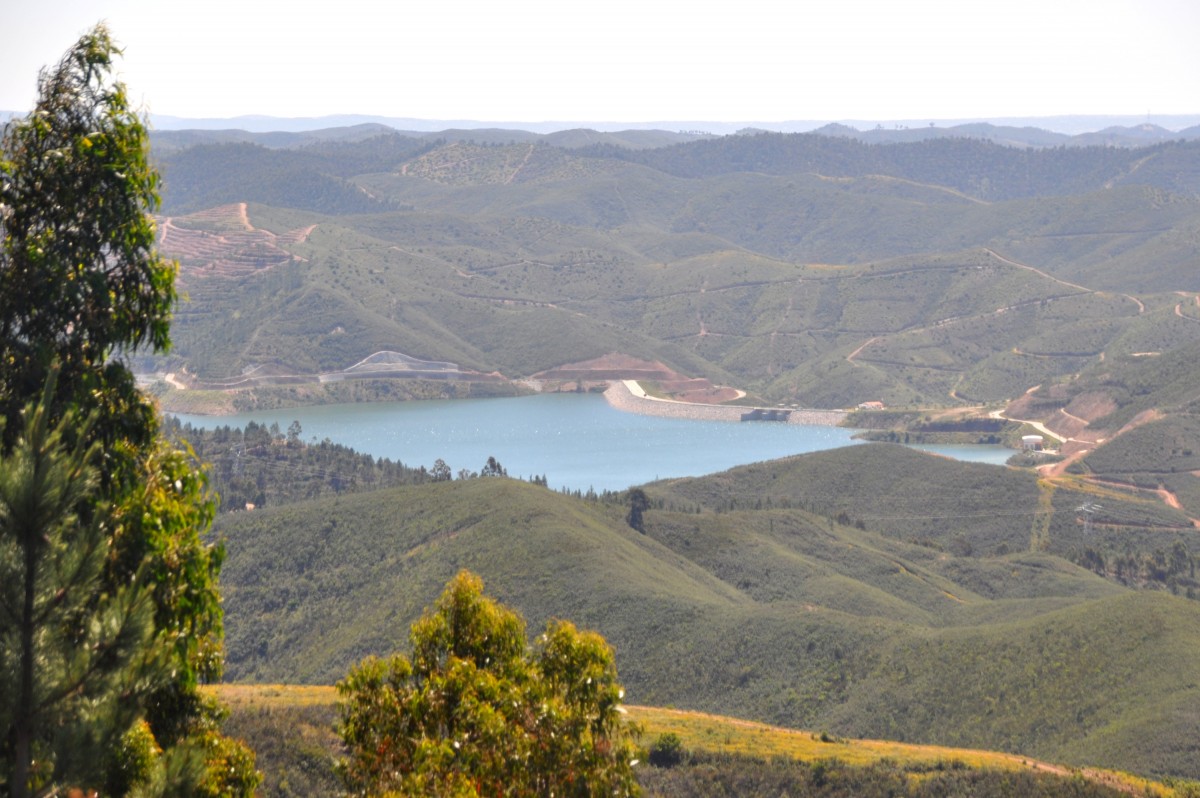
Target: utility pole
[(1088, 509)]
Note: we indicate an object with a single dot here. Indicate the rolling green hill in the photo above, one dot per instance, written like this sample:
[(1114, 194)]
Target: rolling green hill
[(528, 296), (868, 591), (983, 169), (746, 597), (805, 269), (203, 176)]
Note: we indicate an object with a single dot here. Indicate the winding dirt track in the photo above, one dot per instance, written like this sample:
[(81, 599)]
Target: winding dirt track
[(850, 358), (1048, 276)]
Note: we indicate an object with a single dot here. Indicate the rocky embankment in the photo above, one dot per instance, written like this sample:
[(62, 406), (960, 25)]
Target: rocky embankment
[(628, 396)]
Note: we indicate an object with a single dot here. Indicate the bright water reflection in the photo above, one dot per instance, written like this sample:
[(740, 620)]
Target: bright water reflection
[(975, 453), (577, 441)]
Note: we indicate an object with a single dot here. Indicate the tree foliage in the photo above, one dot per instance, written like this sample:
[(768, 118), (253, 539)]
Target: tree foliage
[(639, 503), (492, 468), (260, 465), (76, 662), (80, 279), (440, 471), (81, 286), (667, 751), (476, 711)]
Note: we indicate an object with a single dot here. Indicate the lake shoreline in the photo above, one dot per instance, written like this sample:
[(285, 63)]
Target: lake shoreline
[(577, 440), (624, 395), (217, 403), (627, 396)]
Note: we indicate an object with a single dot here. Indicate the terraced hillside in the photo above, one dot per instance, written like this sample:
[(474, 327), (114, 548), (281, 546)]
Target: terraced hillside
[(222, 243), (524, 297), (806, 269)]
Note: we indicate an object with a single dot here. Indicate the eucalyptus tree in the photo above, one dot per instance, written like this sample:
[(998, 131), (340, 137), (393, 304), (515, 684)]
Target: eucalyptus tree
[(82, 287), (477, 711)]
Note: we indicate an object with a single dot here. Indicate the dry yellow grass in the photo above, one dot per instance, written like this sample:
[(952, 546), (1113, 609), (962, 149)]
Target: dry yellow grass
[(720, 734), (240, 696)]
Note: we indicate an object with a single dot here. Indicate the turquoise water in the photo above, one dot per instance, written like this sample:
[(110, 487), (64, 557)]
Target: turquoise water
[(993, 455), (576, 440)]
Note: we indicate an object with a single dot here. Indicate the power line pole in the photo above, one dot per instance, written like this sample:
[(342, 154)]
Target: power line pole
[(1089, 509)]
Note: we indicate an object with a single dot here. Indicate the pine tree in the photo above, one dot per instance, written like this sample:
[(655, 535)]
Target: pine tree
[(78, 662), (82, 286)]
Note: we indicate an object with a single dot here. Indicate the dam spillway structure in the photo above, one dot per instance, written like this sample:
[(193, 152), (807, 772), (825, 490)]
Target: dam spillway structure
[(760, 414)]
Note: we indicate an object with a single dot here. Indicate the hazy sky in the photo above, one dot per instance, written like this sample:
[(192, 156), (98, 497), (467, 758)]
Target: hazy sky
[(629, 60)]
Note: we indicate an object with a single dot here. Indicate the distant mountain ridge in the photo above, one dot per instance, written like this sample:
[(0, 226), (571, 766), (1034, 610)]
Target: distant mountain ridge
[(172, 134), (1065, 124), (171, 141)]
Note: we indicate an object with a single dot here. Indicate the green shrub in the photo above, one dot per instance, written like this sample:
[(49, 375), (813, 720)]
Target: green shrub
[(667, 751)]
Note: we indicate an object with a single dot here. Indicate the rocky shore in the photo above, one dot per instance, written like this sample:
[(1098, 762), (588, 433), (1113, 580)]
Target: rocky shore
[(628, 396)]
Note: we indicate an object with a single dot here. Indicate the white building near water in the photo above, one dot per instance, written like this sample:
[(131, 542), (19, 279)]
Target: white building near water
[(1032, 442)]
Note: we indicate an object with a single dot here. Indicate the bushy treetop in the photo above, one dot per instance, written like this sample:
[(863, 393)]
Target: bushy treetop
[(479, 712)]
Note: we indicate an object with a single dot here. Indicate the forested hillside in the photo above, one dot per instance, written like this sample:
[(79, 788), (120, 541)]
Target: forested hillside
[(259, 466), (810, 270), (870, 591), (983, 169), (817, 592)]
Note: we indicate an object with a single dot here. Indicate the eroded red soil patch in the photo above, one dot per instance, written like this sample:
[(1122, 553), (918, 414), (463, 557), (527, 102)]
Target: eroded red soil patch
[(221, 242)]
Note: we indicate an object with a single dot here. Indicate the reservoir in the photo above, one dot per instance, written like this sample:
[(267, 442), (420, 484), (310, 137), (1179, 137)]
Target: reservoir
[(577, 441)]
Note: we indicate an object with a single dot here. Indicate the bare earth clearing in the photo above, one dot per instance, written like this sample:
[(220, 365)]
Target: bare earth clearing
[(228, 246), (1070, 427), (616, 366)]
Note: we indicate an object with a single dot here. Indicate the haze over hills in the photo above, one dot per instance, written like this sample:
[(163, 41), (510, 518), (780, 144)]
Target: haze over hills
[(1069, 125), (170, 134)]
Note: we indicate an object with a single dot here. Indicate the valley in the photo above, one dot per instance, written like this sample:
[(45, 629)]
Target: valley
[(950, 290), (460, 458)]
